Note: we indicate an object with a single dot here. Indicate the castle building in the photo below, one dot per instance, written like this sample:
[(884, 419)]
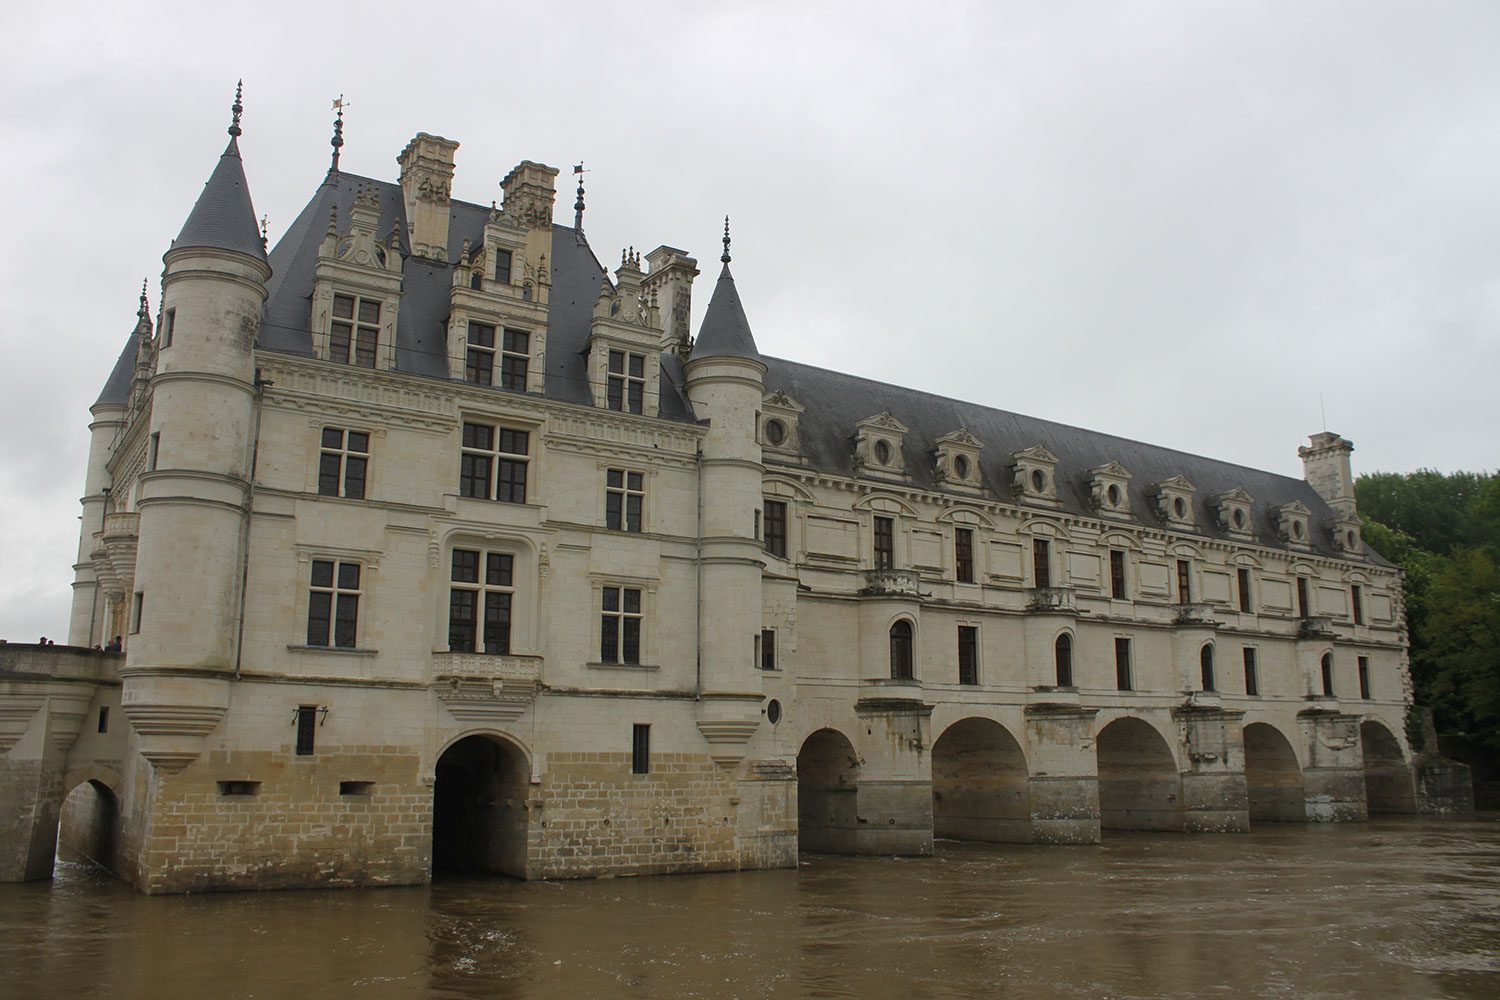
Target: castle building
[(432, 544)]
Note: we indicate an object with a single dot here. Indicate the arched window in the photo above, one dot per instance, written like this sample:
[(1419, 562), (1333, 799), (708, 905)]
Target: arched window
[(901, 650), (1328, 675), (1065, 661), (1206, 665)]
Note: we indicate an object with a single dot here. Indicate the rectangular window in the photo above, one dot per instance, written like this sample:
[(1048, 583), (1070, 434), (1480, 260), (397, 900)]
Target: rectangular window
[(307, 722), (1252, 681), (343, 462), (627, 381), (1327, 666), (1304, 609), (624, 492), (493, 463), (137, 611), (355, 331), (963, 554), (333, 605), (1357, 604), (153, 450), (1041, 562), (775, 528), (768, 649), (1184, 582), (514, 358), (1117, 588), (620, 626), (1123, 680), (480, 595), (885, 543), (968, 654), (1244, 581), (168, 327), (1364, 678), (640, 749), (502, 266), (103, 718), (479, 359)]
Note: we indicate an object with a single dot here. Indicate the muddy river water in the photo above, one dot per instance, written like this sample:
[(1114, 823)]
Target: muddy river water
[(1397, 908)]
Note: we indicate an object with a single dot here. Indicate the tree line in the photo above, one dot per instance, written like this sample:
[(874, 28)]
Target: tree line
[(1444, 533)]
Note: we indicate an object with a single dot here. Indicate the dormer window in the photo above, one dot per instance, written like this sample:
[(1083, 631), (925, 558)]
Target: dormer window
[(627, 381), (479, 362), (1291, 524), (775, 432), (515, 360), (1033, 474), (354, 334), (1233, 510), (1174, 501), (502, 267), (877, 446), (883, 452), (778, 423), (956, 460), (1346, 535), (1109, 489)]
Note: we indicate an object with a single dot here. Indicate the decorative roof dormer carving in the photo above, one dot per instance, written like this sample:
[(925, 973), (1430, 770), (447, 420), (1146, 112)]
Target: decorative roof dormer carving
[(956, 460), (1109, 490), (1291, 521), (624, 349), (1034, 474), (357, 288), (1174, 501), (878, 446), (778, 424), (1346, 535), (1234, 511)]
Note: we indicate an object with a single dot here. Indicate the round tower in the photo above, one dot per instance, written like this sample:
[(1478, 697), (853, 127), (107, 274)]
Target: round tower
[(725, 382), (193, 495)]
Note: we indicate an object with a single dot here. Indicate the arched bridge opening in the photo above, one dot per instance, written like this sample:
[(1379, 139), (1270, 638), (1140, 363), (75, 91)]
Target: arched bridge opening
[(479, 819), (827, 794), (1388, 778), (1273, 777), (1139, 785), (979, 784)]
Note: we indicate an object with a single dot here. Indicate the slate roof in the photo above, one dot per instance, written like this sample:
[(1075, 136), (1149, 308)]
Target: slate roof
[(835, 402), (116, 391), (725, 332), (223, 217)]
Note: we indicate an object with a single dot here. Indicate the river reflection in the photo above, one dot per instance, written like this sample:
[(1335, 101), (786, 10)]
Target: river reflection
[(1388, 909)]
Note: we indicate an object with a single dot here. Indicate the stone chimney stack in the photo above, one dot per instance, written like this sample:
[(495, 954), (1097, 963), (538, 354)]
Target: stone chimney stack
[(530, 189), (1325, 466), (671, 281), (427, 187)]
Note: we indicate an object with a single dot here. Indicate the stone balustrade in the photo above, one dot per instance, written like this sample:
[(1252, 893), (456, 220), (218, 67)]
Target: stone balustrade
[(892, 583)]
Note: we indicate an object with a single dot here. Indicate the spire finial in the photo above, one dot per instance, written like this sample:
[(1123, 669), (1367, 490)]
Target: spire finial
[(265, 230), (725, 258), (578, 204), (237, 109), (337, 141), (144, 309)]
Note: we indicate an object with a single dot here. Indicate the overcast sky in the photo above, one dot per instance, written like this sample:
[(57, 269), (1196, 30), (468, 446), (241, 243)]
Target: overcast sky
[(1178, 222)]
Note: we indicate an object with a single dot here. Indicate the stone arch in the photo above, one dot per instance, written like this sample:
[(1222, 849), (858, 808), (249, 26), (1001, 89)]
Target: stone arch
[(1388, 778), (479, 806), (827, 793), (1273, 776), (980, 784), (1140, 787), (89, 818)]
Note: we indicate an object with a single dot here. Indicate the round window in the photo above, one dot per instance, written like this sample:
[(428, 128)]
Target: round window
[(1038, 480), (773, 711), (775, 431), (1179, 507), (1296, 529), (1113, 494), (961, 466), (1238, 518), (883, 452)]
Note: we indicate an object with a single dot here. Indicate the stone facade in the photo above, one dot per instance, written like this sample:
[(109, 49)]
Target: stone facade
[(440, 548)]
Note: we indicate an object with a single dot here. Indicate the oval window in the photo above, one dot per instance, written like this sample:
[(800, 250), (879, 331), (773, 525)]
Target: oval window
[(961, 467), (1038, 480), (1238, 518), (775, 431), (1113, 494), (1350, 539), (1179, 507), (1296, 529), (773, 712), (882, 453)]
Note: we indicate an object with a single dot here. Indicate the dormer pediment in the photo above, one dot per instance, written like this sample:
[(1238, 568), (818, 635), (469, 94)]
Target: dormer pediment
[(779, 414), (1174, 501), (1292, 524), (357, 289), (956, 460), (1233, 510), (1109, 489), (878, 444), (1033, 474)]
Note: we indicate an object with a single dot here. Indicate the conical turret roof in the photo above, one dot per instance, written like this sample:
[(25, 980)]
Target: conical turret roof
[(725, 332), (224, 217)]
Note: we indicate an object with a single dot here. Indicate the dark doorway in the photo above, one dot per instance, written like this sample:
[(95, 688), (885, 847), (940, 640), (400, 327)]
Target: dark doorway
[(88, 826), (827, 793), (479, 809)]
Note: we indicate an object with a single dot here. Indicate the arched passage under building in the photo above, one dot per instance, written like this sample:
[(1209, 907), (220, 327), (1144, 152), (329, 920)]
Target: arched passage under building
[(979, 784), (827, 794), (88, 826), (1273, 777), (1388, 777), (479, 820), (1139, 785)]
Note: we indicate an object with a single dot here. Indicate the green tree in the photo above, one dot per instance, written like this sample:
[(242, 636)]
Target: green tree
[(1460, 655)]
